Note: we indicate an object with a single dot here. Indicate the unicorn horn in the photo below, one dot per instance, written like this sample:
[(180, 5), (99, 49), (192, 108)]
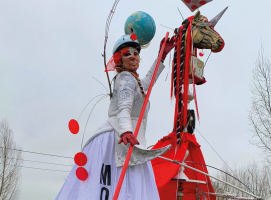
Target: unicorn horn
[(214, 21)]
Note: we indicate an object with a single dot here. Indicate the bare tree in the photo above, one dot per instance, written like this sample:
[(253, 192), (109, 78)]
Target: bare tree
[(254, 180), (260, 112), (10, 162)]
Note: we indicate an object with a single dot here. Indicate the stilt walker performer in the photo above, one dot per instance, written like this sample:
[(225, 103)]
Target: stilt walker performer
[(106, 150)]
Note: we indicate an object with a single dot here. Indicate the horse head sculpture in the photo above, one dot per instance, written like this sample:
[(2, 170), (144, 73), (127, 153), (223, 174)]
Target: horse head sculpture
[(203, 33)]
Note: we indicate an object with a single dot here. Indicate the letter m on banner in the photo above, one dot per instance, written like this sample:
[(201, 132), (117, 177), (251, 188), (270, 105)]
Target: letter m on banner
[(105, 177)]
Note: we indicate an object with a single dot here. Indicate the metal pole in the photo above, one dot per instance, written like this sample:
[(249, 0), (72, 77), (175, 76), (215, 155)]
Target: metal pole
[(174, 161)]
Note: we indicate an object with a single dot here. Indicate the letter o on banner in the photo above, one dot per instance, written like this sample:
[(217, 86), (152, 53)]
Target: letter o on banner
[(106, 193)]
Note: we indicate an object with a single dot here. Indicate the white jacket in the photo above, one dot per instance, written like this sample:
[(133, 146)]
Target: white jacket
[(123, 113)]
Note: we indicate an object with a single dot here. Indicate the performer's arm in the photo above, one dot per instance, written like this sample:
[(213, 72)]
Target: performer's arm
[(125, 85)]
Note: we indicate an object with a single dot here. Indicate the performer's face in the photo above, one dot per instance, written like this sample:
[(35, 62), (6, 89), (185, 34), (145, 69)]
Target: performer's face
[(131, 59)]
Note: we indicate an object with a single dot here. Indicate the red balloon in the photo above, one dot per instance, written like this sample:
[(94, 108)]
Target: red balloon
[(73, 126), (80, 159), (81, 173)]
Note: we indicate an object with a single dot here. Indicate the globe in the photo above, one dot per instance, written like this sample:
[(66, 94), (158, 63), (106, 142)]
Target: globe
[(142, 24)]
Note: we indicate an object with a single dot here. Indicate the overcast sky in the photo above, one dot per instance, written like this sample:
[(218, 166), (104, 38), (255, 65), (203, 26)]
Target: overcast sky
[(50, 50)]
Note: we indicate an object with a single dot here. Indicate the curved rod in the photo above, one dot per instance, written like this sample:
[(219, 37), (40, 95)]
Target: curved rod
[(213, 168), (107, 25), (225, 173), (184, 165), (229, 196), (108, 79)]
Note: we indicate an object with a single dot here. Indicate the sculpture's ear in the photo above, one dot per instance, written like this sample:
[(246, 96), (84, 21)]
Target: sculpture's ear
[(197, 15)]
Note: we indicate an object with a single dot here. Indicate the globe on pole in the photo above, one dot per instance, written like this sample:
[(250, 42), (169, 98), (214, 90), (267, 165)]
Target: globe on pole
[(142, 24)]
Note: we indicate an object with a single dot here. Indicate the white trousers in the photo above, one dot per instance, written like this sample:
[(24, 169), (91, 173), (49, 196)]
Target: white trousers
[(139, 182)]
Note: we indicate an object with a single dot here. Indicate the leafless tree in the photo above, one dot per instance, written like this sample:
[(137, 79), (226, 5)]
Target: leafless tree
[(260, 112), (256, 178), (10, 162)]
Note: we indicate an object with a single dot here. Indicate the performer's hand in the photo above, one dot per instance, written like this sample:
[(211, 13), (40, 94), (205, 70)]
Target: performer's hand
[(128, 137), (170, 44)]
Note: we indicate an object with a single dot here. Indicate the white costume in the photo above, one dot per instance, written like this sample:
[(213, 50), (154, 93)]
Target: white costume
[(106, 156)]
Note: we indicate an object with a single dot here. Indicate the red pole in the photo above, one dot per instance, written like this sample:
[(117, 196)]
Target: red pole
[(186, 74), (122, 175)]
